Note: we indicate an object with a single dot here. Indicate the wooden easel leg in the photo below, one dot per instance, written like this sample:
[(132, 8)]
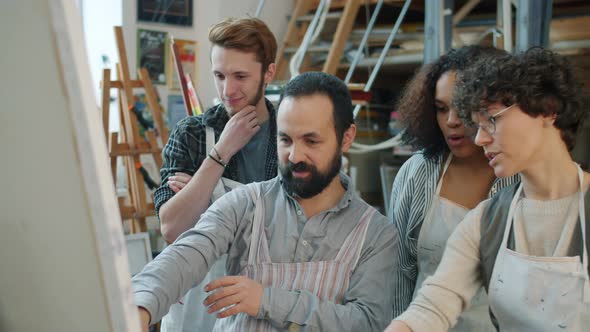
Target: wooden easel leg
[(106, 100), (113, 144), (153, 105), (154, 143), (131, 144)]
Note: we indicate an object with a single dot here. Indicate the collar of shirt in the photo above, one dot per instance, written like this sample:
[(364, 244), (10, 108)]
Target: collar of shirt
[(344, 201)]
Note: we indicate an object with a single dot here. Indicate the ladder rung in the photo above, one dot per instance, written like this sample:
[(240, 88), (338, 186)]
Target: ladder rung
[(309, 17), (382, 34), (316, 49)]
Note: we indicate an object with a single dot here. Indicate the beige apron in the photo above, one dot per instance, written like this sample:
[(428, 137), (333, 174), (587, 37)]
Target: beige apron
[(442, 218), (532, 293), (190, 315), (328, 280)]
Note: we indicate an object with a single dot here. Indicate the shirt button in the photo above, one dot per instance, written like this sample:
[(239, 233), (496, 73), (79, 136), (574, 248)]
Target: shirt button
[(304, 243), (299, 212)]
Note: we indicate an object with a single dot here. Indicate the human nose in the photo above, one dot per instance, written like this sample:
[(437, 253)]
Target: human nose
[(229, 87), (453, 119), (295, 153), (482, 137)]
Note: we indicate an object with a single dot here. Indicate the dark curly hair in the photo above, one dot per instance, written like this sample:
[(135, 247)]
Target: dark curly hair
[(311, 83), (540, 81), (417, 108)]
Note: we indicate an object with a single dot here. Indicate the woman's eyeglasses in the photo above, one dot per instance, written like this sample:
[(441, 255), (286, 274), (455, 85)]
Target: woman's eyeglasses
[(482, 120)]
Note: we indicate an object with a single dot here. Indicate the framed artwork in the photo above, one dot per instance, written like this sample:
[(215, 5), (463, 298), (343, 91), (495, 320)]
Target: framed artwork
[(187, 54), (176, 12), (151, 53), (139, 251), (176, 110)]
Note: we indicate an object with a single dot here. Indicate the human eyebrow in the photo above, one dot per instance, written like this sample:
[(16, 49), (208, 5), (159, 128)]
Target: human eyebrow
[(313, 135)]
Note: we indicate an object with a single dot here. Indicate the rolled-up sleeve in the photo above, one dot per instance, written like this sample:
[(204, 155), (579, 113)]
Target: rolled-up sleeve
[(184, 264)]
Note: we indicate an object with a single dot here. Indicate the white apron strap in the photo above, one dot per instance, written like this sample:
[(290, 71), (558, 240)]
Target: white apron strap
[(350, 251), (582, 217), (445, 167), (508, 227), (510, 218), (257, 246)]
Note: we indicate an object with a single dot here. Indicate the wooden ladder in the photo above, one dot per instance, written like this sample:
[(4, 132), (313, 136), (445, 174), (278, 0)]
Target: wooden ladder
[(297, 28), (129, 144)]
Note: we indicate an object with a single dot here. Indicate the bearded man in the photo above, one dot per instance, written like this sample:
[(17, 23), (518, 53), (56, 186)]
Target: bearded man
[(304, 251)]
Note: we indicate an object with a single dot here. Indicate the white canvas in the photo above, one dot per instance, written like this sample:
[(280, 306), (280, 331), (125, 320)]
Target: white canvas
[(63, 262)]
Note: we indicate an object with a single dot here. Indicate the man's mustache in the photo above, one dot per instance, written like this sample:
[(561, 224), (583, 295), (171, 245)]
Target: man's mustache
[(299, 167)]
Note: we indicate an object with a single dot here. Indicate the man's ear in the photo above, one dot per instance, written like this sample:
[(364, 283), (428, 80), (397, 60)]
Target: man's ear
[(348, 137), (270, 72)]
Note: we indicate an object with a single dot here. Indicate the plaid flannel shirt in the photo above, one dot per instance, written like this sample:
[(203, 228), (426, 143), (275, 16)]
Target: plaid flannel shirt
[(187, 149)]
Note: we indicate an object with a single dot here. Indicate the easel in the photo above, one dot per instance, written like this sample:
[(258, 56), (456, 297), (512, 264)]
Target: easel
[(130, 145)]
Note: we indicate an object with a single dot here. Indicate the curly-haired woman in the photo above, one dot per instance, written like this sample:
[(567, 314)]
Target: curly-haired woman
[(436, 187), (528, 245)]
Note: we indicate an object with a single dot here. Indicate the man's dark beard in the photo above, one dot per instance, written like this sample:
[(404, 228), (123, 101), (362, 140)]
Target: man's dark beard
[(317, 182)]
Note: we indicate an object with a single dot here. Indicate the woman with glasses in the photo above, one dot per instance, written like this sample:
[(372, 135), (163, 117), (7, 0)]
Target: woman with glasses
[(436, 187), (528, 245)]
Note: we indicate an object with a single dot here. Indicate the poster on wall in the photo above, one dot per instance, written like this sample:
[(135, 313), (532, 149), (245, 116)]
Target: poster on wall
[(151, 54), (187, 54), (175, 12), (176, 110)]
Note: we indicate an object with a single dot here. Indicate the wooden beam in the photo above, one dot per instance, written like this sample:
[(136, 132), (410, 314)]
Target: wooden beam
[(113, 142), (106, 101), (337, 4), (129, 121), (132, 83), (156, 153), (341, 36), (464, 11), (135, 183), (153, 104), (293, 36), (571, 28)]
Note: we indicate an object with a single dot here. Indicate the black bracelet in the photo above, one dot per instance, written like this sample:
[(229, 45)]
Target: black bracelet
[(217, 161), (217, 154)]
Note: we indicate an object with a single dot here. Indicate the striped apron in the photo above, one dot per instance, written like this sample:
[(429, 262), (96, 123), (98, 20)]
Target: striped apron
[(328, 280)]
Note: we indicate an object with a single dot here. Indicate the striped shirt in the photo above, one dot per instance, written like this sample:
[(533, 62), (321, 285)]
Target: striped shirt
[(187, 149), (226, 227), (411, 196)]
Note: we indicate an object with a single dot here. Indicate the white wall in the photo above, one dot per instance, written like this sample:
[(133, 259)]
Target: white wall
[(205, 14), (99, 18)]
